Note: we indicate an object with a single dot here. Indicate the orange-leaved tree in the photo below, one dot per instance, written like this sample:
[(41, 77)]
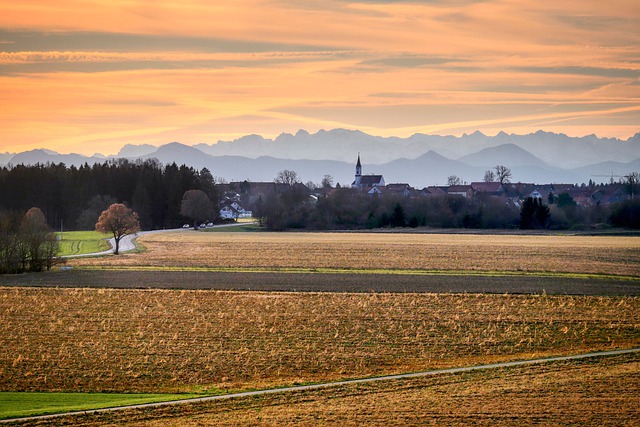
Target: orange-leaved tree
[(118, 220)]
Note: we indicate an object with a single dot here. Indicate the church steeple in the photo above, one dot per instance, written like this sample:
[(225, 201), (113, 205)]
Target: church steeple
[(367, 182), (358, 181)]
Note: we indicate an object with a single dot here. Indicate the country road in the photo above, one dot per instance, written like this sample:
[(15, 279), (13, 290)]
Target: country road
[(334, 384), (127, 243)]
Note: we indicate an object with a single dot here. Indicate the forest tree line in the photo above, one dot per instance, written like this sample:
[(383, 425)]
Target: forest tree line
[(72, 198)]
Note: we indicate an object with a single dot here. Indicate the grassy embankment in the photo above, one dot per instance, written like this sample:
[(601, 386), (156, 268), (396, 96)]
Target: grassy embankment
[(15, 404), (82, 242), (240, 226)]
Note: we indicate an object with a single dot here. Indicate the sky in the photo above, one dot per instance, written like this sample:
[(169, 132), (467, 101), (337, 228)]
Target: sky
[(89, 76)]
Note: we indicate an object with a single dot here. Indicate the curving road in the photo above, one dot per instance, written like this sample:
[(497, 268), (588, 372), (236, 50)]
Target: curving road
[(127, 243)]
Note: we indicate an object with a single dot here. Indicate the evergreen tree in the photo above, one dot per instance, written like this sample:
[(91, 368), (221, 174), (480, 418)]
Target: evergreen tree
[(397, 217), (534, 214)]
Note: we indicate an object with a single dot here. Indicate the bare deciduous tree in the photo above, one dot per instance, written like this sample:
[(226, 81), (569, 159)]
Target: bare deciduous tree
[(327, 181), (287, 177), (489, 176), (631, 183), (27, 243), (454, 180), (503, 174), (38, 240)]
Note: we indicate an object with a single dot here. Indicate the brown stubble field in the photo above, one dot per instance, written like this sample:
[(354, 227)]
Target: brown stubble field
[(120, 340), (608, 255), (577, 393)]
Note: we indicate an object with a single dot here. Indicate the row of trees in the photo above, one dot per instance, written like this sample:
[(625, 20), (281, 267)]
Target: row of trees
[(26, 242), (349, 209), (74, 197)]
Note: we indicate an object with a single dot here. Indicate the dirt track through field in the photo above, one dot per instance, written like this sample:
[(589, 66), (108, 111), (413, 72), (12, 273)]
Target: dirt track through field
[(325, 282)]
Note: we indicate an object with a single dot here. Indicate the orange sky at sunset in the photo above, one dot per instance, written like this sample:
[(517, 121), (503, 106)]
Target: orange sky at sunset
[(91, 76)]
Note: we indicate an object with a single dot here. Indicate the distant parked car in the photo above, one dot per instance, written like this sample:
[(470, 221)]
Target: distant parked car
[(203, 225), (209, 224), (186, 226)]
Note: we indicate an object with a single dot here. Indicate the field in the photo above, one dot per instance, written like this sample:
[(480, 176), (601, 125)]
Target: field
[(576, 393), (577, 255), (296, 281), (212, 313), (82, 242), (161, 341)]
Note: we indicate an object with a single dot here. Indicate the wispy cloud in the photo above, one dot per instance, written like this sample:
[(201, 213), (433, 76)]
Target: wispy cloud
[(80, 56), (31, 40), (105, 73)]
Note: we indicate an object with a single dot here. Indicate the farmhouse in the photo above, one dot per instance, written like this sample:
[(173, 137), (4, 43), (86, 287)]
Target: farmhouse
[(231, 209), (432, 192), (460, 190), (487, 188), (402, 189)]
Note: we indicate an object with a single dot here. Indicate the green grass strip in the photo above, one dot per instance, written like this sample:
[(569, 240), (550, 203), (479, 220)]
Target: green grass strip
[(25, 404), (248, 228), (474, 273), (82, 242)]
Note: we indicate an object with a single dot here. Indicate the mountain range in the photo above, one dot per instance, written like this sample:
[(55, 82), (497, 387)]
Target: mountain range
[(419, 160)]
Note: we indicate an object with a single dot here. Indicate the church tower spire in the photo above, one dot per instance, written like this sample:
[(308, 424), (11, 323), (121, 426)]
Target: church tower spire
[(358, 180)]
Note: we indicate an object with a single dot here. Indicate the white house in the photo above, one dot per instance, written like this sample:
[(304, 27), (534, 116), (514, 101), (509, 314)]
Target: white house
[(233, 210), (535, 195)]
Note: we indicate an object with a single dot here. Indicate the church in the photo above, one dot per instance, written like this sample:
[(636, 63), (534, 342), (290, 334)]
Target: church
[(366, 181)]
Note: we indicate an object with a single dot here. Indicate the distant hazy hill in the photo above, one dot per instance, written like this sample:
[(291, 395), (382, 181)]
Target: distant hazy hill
[(130, 151), (43, 156), (606, 170), (180, 154), (343, 145), (419, 160), (5, 157), (507, 154), (429, 169)]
